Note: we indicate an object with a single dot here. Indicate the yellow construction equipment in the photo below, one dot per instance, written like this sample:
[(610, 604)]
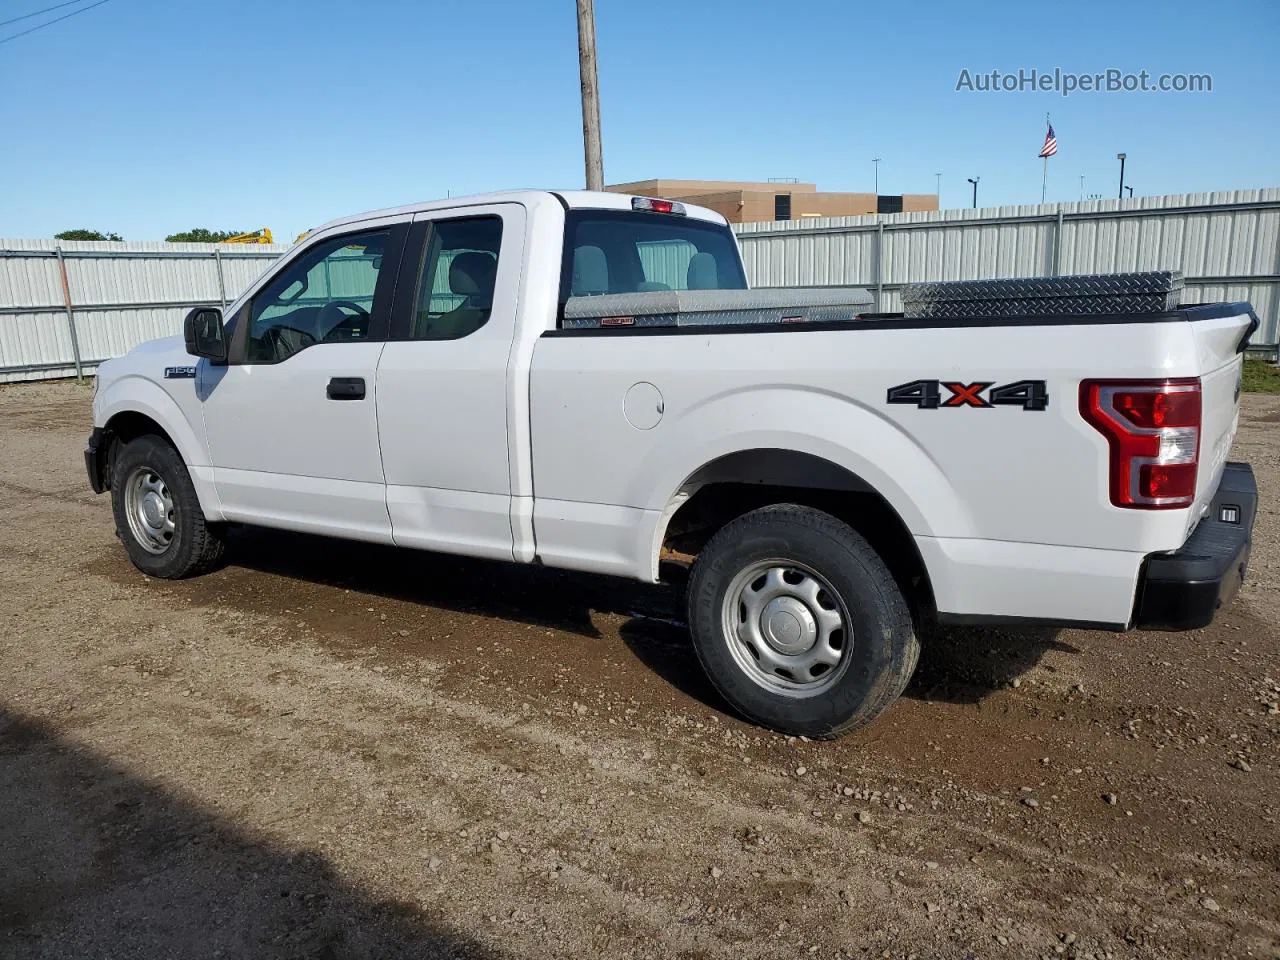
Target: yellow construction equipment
[(258, 236)]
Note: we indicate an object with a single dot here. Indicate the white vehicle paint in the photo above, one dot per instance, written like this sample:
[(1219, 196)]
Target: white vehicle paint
[(580, 449)]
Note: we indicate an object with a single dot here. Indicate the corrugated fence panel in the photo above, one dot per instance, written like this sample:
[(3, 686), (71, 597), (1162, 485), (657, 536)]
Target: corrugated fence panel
[(822, 259), (112, 333), (29, 283), (1227, 244), (122, 294), (350, 278), (666, 263), (240, 272), (130, 280), (35, 339)]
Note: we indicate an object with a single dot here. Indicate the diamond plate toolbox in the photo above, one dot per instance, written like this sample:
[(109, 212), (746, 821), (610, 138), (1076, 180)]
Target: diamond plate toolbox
[(1079, 295), (710, 308)]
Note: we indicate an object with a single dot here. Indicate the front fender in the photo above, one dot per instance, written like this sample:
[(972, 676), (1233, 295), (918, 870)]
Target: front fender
[(138, 395)]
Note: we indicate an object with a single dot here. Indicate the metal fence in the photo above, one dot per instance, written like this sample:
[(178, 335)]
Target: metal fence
[(66, 306), (1226, 244)]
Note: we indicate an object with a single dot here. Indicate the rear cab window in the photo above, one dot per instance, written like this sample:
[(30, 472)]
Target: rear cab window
[(621, 251)]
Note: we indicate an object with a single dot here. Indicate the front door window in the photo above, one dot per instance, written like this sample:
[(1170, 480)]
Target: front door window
[(324, 296)]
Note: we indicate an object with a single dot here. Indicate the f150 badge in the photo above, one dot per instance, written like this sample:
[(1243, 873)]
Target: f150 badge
[(927, 394), (179, 373)]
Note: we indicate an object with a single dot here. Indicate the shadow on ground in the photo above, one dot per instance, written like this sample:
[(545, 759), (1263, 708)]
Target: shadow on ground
[(97, 862), (556, 599), (958, 665), (967, 664)]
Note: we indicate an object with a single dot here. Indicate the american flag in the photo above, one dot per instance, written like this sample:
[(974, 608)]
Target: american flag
[(1050, 144)]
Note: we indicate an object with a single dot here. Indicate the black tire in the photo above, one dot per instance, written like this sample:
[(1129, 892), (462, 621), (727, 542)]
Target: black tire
[(193, 545), (884, 648)]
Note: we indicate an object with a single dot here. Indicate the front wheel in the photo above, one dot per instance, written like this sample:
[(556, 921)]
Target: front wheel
[(799, 623), (157, 513)]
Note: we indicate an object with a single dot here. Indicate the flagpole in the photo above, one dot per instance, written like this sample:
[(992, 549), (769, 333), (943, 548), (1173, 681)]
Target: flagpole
[(1044, 177)]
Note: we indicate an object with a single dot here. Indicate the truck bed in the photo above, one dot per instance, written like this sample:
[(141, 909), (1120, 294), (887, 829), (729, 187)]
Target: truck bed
[(1010, 495)]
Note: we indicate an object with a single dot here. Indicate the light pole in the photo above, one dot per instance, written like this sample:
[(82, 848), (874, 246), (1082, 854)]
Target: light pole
[(590, 95), (1130, 189), (876, 161), (1082, 186), (974, 181), (1120, 157), (939, 190)]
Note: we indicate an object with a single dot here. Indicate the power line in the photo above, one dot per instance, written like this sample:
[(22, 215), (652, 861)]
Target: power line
[(50, 23), (28, 16)]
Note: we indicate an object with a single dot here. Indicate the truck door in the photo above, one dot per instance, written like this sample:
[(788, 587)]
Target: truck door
[(291, 419), (442, 382)]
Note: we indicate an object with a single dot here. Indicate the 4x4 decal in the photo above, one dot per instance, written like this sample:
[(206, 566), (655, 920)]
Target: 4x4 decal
[(927, 394)]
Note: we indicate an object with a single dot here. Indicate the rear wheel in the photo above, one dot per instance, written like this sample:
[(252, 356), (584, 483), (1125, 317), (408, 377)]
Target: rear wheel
[(157, 512), (799, 623)]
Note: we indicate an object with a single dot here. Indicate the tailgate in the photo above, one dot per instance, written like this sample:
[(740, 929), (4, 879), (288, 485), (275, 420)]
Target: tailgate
[(1220, 345)]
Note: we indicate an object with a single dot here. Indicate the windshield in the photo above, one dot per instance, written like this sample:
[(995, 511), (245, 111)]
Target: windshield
[(610, 251)]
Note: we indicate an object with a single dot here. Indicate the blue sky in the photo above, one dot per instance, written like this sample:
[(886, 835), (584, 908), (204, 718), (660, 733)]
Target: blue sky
[(149, 116)]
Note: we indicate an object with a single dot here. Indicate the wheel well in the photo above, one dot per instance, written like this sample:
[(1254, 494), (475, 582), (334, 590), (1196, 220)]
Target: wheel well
[(736, 484), (124, 427)]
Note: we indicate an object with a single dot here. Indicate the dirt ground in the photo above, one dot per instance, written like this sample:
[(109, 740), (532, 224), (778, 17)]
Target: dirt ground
[(333, 750)]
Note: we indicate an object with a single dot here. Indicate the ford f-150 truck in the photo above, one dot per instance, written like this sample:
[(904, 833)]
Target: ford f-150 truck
[(583, 380)]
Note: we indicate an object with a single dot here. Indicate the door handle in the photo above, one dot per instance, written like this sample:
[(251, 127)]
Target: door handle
[(346, 388)]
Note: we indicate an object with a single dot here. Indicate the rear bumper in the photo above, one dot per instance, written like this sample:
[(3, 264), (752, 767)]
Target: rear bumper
[(94, 456), (1184, 589)]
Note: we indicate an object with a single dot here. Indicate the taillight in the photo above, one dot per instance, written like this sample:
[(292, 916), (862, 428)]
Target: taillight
[(1153, 428)]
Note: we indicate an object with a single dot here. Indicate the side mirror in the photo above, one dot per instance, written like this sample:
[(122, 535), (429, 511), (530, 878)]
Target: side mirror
[(205, 334)]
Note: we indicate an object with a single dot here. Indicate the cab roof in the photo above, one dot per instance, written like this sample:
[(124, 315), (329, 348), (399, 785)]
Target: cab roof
[(572, 199)]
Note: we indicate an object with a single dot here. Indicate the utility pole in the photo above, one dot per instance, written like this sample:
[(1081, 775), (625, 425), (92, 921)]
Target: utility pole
[(590, 95)]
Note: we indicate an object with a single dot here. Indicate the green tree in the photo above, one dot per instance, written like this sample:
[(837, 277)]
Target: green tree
[(86, 235), (201, 235)]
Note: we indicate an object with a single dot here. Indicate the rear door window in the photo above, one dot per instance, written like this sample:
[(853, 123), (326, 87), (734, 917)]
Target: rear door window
[(624, 252), (456, 279)]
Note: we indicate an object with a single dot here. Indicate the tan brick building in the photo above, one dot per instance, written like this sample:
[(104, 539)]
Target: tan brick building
[(751, 201)]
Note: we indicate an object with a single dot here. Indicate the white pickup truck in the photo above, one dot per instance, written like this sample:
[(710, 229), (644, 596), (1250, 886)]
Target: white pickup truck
[(437, 376)]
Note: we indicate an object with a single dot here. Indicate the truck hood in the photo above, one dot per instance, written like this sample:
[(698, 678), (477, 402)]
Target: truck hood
[(152, 360), (166, 346), (154, 357)]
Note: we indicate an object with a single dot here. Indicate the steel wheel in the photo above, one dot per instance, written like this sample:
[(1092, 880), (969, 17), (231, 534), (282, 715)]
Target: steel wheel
[(787, 628), (148, 506)]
